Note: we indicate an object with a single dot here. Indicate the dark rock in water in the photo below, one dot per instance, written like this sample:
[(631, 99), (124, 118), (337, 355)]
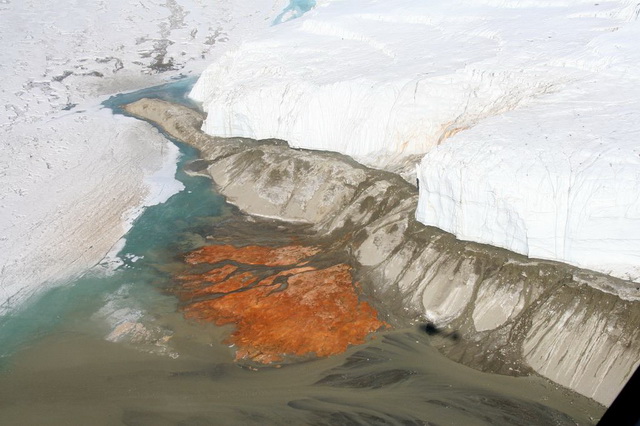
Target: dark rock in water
[(512, 315), (197, 166)]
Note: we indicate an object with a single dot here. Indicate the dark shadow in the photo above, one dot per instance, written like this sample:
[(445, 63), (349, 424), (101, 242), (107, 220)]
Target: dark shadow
[(624, 410), (432, 330)]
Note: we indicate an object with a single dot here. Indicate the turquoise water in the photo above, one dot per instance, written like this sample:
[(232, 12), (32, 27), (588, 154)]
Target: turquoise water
[(162, 225), (64, 362), (176, 91), (159, 230), (295, 9)]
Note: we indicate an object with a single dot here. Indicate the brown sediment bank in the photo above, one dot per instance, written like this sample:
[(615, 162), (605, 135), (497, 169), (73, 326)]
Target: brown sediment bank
[(515, 315)]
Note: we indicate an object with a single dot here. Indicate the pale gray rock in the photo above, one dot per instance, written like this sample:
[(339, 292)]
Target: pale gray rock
[(514, 315)]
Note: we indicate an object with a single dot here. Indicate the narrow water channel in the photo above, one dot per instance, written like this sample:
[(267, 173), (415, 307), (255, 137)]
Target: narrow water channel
[(115, 349)]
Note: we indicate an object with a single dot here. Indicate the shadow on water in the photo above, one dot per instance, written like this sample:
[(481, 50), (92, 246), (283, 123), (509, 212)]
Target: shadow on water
[(114, 350)]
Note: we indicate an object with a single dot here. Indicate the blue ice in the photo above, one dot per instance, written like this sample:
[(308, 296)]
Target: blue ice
[(296, 9)]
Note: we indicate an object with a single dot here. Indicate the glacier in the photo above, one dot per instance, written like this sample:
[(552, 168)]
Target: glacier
[(518, 118), (524, 113), (514, 315), (73, 176)]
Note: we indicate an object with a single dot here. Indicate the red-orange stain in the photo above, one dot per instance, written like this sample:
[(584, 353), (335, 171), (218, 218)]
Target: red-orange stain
[(297, 311)]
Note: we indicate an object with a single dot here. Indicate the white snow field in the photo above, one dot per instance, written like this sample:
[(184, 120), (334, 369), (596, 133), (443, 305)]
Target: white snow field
[(528, 111), (73, 176)]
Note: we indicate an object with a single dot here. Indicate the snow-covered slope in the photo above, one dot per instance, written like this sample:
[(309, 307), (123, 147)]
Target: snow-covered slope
[(72, 176), (381, 81)]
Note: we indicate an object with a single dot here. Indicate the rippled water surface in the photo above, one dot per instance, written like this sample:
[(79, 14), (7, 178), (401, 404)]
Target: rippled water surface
[(116, 350)]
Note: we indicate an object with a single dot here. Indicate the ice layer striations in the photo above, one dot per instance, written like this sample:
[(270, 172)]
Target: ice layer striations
[(527, 112)]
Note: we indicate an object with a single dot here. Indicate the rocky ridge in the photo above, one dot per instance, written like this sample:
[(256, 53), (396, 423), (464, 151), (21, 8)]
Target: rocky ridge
[(515, 315)]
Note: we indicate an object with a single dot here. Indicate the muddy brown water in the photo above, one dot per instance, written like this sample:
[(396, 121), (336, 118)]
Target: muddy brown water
[(71, 378), (172, 371), (114, 349)]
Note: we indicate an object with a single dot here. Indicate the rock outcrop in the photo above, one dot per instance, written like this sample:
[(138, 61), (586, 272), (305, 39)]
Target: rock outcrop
[(515, 315)]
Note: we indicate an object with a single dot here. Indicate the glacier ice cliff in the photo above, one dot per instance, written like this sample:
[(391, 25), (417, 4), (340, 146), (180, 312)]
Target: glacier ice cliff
[(515, 316), (526, 110), (551, 181), (556, 179)]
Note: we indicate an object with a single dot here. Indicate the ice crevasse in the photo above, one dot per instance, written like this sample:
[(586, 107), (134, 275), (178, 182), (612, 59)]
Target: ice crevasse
[(526, 113)]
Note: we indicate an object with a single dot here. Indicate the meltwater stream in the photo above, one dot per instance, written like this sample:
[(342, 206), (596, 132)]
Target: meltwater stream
[(115, 350)]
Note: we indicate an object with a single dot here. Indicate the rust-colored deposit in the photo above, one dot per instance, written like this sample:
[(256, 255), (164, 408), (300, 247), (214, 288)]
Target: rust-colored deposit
[(280, 304)]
